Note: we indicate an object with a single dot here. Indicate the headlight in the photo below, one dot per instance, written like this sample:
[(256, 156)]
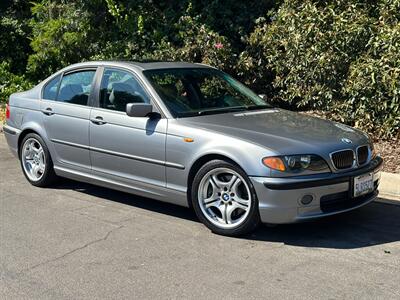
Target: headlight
[(296, 163)]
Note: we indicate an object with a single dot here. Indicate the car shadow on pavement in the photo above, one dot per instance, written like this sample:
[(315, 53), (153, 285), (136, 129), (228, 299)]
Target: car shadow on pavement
[(129, 199), (374, 224)]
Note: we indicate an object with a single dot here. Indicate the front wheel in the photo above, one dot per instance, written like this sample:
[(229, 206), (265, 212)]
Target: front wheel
[(224, 199)]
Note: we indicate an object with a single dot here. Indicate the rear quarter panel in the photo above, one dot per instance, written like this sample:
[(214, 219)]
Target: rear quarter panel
[(25, 115), (21, 105)]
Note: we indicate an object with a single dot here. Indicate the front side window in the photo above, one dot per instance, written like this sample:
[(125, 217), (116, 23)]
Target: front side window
[(76, 87), (50, 90), (196, 91), (118, 88)]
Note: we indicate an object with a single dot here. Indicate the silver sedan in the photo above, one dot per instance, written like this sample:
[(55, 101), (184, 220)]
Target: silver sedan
[(191, 135)]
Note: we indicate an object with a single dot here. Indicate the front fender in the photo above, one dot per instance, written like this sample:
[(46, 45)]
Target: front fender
[(246, 155), (180, 152)]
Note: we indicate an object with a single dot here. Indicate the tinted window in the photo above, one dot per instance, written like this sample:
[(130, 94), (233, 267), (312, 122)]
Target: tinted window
[(50, 90), (192, 92), (75, 87), (118, 88)]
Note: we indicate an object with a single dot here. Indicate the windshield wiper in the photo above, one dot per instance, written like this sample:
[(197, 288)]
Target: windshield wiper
[(255, 107), (220, 110)]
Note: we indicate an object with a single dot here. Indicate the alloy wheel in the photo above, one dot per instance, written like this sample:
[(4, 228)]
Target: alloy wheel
[(33, 159), (224, 198)]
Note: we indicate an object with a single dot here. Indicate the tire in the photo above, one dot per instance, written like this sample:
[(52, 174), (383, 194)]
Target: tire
[(224, 199), (36, 162)]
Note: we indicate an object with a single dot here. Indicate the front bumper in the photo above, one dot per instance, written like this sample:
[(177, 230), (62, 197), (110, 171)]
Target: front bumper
[(279, 198)]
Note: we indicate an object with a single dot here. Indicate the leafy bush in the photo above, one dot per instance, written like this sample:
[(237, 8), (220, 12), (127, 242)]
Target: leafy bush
[(336, 55), (341, 56), (198, 43), (67, 32), (372, 88), (11, 83), (63, 33), (14, 33)]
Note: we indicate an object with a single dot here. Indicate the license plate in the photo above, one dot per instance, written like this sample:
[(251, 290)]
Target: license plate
[(363, 184)]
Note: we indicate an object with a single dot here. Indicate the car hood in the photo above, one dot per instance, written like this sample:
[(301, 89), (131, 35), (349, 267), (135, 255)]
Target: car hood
[(281, 131)]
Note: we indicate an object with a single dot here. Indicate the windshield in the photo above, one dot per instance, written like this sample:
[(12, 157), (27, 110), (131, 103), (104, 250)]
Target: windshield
[(197, 91)]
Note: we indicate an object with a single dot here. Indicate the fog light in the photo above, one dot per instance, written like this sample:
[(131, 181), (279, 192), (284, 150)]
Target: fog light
[(306, 199)]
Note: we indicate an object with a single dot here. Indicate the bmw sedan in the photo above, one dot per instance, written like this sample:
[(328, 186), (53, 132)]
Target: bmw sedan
[(190, 135)]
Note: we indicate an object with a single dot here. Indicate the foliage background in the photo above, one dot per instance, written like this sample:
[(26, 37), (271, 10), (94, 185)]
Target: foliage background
[(340, 57)]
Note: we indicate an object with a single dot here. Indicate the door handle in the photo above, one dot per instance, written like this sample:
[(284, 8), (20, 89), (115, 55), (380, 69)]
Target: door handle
[(48, 111), (98, 120)]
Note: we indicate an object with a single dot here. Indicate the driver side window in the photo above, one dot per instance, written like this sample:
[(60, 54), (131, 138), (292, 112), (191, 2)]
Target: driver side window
[(118, 88)]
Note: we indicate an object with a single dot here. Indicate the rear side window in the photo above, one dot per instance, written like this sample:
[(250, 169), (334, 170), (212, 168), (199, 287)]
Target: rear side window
[(50, 90), (118, 88), (76, 87)]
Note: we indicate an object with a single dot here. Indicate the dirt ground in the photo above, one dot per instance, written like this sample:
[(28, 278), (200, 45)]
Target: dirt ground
[(390, 151), (2, 114)]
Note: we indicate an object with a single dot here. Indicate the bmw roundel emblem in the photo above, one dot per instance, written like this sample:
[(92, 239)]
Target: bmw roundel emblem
[(347, 141)]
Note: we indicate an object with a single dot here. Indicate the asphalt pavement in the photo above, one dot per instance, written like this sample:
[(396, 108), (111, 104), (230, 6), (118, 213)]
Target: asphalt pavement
[(79, 241)]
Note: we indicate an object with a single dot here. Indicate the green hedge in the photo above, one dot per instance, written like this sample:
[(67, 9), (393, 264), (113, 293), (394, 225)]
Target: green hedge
[(339, 56), (11, 83)]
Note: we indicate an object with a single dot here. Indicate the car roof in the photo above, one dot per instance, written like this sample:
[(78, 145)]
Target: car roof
[(153, 65)]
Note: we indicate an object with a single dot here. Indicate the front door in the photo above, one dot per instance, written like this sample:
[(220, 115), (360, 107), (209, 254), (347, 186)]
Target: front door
[(66, 117), (124, 148)]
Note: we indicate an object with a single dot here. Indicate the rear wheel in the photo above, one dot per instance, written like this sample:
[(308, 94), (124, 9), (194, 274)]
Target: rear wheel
[(224, 199), (36, 162)]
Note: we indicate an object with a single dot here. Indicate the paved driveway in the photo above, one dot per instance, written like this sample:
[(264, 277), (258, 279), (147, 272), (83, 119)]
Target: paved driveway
[(81, 241)]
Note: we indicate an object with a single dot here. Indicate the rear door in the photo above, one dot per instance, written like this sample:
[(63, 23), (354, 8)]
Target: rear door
[(66, 110), (128, 149)]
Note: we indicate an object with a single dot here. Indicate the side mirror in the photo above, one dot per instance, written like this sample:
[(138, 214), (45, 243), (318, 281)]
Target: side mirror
[(139, 109), (263, 96)]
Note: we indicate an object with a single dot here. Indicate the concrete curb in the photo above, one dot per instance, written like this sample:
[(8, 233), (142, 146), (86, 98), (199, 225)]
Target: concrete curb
[(390, 185), (390, 201)]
